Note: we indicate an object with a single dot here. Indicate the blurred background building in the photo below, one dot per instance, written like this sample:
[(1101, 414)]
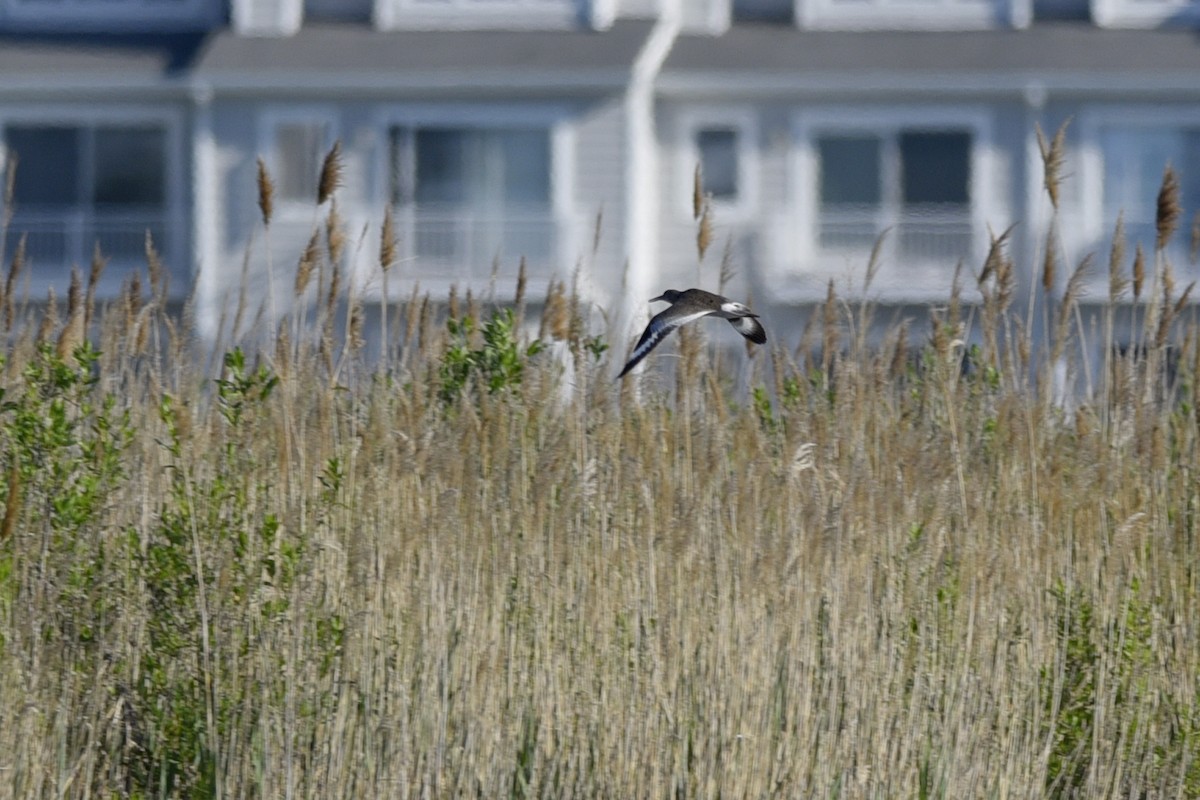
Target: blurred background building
[(567, 132)]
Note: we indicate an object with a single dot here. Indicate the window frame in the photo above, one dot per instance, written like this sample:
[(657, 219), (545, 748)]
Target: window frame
[(270, 120), (798, 233), (554, 118), (1094, 226), (744, 122), (504, 14), (897, 15), (1126, 14), (174, 251)]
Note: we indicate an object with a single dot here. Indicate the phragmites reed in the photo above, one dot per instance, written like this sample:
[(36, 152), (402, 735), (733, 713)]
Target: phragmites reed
[(704, 231), (71, 335), (1066, 306), (331, 173), (412, 315), (387, 240), (426, 320), (1050, 261), (1181, 303), (10, 188), (307, 263), (15, 266), (899, 365), (355, 337), (697, 192), (452, 302), (875, 259), (1194, 244), (158, 275), (954, 305), (995, 255), (998, 294), (727, 272), (1053, 158), (829, 329), (597, 231), (1139, 272), (335, 235), (266, 192), (1170, 308), (556, 318), (49, 318), (99, 262), (1166, 218), (522, 281), (474, 310), (335, 288), (1117, 282)]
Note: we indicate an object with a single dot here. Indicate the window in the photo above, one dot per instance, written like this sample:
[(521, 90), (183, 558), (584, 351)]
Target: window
[(298, 149), (913, 14), (915, 182), (719, 162), (77, 185), (1144, 13), (472, 195), (558, 14), (721, 142), (1134, 158)]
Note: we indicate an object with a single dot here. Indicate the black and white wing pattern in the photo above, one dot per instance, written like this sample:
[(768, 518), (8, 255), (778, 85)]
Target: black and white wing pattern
[(661, 325), (751, 328)]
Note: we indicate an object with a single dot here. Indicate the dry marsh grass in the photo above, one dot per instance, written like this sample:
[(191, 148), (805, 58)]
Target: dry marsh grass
[(884, 575)]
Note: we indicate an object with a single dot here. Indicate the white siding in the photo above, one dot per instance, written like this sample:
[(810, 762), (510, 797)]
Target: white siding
[(601, 152), (267, 17)]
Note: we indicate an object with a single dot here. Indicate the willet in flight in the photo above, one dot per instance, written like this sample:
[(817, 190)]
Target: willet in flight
[(689, 305)]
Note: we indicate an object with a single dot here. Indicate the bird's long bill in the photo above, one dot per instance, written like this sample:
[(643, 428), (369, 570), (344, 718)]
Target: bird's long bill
[(662, 297)]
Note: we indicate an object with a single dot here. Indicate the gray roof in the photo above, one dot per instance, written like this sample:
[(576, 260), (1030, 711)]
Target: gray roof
[(93, 55), (1052, 50), (327, 55), (344, 52)]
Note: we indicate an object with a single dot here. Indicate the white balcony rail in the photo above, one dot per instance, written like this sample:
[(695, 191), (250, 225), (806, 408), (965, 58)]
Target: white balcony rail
[(56, 241), (917, 256), (464, 246), (937, 238)]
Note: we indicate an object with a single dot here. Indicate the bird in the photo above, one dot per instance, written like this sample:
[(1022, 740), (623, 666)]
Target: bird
[(689, 305)]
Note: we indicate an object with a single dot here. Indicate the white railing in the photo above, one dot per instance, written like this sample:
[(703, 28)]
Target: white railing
[(916, 258), (56, 241), (464, 246), (920, 239)]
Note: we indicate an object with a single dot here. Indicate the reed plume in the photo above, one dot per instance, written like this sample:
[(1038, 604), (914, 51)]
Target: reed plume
[(1053, 159), (331, 173), (266, 192), (1166, 218)]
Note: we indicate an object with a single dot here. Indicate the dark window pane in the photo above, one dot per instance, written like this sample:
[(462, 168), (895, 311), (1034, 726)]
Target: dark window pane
[(850, 171), (718, 162), (441, 165), (935, 167), (48, 165), (401, 178), (301, 150), (130, 167), (526, 160)]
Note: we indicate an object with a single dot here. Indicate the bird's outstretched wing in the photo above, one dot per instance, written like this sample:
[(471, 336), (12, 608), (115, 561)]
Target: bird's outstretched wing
[(660, 325), (751, 328)]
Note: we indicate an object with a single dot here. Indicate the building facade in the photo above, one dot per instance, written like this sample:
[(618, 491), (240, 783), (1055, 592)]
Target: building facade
[(568, 132)]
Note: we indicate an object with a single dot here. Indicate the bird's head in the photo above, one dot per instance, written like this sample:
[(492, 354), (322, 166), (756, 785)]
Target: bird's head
[(669, 296)]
